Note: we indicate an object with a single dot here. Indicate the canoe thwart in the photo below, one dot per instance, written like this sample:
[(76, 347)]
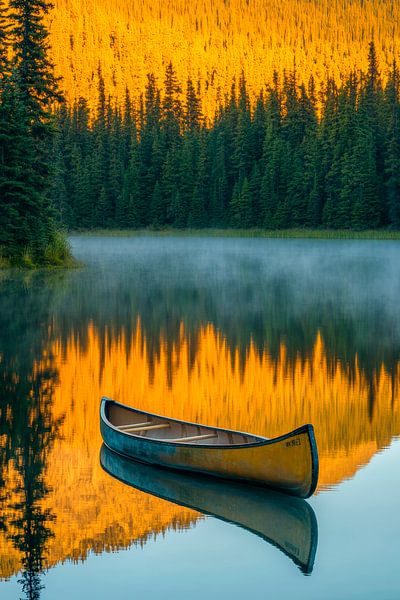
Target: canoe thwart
[(193, 438), (148, 428), (134, 425)]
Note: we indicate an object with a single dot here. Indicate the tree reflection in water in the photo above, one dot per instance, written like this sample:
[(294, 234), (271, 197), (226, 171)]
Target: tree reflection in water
[(27, 431)]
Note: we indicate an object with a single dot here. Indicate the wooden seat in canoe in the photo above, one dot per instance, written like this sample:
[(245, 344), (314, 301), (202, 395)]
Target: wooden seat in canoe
[(137, 429), (193, 438), (134, 425)]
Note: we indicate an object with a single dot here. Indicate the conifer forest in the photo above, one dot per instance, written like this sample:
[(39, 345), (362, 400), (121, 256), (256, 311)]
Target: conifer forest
[(291, 159), (301, 152)]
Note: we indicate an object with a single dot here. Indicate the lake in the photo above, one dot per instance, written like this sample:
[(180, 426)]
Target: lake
[(259, 335)]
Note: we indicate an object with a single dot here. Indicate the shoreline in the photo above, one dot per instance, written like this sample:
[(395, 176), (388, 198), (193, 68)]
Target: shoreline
[(322, 234), (306, 234)]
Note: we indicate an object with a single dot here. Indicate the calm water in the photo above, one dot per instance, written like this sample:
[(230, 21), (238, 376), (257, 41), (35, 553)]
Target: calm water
[(257, 335)]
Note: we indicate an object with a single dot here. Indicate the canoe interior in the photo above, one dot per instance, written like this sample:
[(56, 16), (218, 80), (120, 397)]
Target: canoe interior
[(140, 424)]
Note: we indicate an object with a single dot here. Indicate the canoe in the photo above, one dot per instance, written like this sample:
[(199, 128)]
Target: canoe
[(288, 463), (286, 522)]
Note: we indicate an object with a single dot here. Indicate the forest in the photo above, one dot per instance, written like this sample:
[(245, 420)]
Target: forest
[(321, 154), (297, 159)]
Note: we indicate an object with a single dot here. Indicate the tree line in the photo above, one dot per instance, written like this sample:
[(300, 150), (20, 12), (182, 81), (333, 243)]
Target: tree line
[(295, 158)]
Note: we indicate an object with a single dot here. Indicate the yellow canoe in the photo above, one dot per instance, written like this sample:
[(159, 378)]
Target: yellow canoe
[(288, 463)]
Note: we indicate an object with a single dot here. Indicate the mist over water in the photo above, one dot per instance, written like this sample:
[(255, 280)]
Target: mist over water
[(261, 287)]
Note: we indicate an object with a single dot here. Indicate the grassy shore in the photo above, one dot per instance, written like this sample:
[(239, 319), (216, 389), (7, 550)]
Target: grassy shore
[(321, 234), (56, 255)]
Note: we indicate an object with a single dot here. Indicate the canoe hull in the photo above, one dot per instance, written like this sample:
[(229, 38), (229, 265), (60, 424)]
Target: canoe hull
[(287, 522), (288, 463)]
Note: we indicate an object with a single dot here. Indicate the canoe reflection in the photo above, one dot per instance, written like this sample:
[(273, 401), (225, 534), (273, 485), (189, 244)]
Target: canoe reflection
[(287, 522)]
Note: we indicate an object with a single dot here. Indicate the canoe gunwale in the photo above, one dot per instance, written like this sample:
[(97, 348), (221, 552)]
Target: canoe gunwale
[(263, 441)]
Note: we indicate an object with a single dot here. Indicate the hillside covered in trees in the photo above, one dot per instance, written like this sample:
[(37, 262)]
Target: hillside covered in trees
[(213, 41), (297, 159), (273, 117)]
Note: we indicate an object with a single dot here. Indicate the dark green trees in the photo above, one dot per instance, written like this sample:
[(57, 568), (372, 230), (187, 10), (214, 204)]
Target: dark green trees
[(28, 92), (289, 159), (392, 147)]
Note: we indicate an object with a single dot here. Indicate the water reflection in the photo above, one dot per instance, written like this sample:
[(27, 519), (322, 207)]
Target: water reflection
[(237, 334), (284, 521), (28, 430)]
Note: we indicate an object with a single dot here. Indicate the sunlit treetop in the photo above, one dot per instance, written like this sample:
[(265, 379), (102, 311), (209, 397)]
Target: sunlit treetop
[(213, 40)]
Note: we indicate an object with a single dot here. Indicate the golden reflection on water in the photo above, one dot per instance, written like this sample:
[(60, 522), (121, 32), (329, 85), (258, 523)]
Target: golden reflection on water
[(354, 417)]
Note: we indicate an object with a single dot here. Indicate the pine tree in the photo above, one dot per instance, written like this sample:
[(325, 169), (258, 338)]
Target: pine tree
[(241, 208), (171, 107), (36, 90), (197, 216), (219, 187), (342, 125), (243, 146), (273, 184), (20, 200), (133, 209), (372, 147), (255, 193), (4, 42), (38, 86), (157, 206), (329, 164), (193, 113), (392, 138), (186, 183)]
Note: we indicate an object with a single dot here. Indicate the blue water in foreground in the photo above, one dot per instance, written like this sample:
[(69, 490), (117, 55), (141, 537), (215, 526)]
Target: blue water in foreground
[(258, 289), (359, 532)]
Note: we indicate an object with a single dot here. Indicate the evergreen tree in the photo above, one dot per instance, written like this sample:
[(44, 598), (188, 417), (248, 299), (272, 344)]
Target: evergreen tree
[(34, 90), (20, 200), (38, 86), (4, 41), (197, 216), (193, 113), (273, 184), (132, 210), (241, 209), (219, 187), (186, 183), (371, 152), (157, 206), (392, 170), (243, 146), (171, 107)]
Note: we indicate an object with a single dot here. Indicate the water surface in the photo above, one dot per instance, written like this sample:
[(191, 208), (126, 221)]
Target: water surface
[(252, 334)]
